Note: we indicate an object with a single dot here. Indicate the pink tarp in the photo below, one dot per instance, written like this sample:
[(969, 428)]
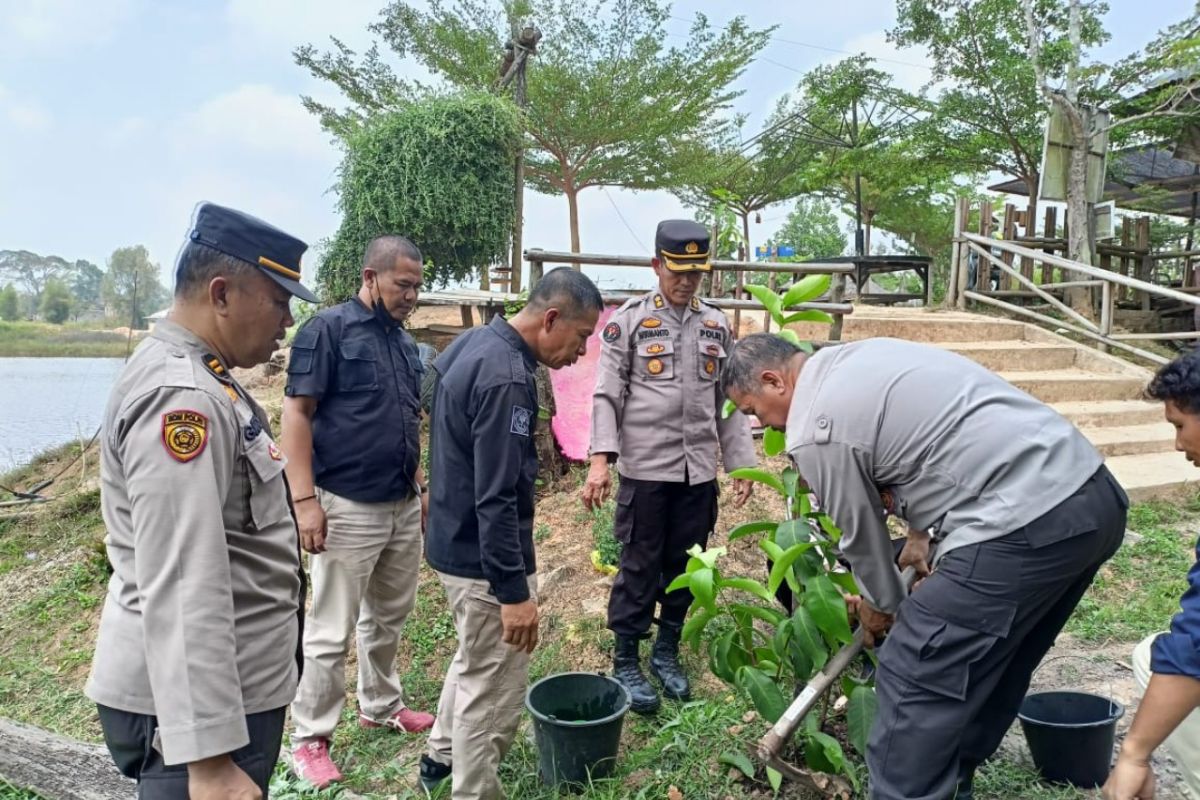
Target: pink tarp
[(573, 386)]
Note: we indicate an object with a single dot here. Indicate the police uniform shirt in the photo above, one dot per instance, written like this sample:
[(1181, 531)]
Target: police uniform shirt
[(950, 444), (658, 402), (365, 374), (483, 462), (199, 626)]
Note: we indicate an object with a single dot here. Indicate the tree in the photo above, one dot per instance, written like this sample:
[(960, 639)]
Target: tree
[(1165, 82), (812, 230), (608, 103), (56, 301), (438, 171), (32, 271), (131, 288), (86, 280), (10, 304), (989, 117)]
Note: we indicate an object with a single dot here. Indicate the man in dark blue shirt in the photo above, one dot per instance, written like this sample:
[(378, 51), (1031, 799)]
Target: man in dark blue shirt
[(351, 418), (1167, 665), (483, 465)]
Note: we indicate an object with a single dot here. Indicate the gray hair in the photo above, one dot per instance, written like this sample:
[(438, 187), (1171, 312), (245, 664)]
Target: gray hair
[(750, 356), (568, 290), (198, 264), (384, 251)]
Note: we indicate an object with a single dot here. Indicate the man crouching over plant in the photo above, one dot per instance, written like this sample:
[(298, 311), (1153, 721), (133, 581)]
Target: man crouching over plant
[(1020, 503)]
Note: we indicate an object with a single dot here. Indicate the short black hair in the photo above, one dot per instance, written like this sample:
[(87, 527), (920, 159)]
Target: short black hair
[(198, 264), (384, 251), (568, 290), (1178, 382), (750, 356)]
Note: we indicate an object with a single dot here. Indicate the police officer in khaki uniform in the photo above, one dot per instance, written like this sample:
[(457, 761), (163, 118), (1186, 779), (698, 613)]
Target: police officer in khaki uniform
[(196, 657), (657, 414)]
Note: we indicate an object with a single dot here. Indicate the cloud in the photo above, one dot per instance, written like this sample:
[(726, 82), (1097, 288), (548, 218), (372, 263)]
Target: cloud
[(27, 117), (58, 25), (255, 118)]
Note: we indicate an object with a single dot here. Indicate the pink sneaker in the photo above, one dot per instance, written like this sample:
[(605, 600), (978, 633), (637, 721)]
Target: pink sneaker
[(405, 720), (311, 762)]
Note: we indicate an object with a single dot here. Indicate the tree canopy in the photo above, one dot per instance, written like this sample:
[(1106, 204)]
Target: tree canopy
[(438, 171), (131, 287), (812, 230), (10, 308), (609, 104), (56, 301)]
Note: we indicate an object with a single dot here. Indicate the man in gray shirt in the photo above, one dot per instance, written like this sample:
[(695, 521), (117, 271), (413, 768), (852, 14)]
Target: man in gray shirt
[(1022, 508)]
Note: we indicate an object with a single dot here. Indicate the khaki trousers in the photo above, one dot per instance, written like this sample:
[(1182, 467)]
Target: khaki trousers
[(483, 694), (1184, 741), (366, 578)]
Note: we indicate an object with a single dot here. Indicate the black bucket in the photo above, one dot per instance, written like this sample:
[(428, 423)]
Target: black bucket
[(577, 720), (1071, 735)]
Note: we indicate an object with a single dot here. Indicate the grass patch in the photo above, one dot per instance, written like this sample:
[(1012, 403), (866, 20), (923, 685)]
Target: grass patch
[(10, 792), (1006, 780), (603, 540), (70, 340), (1137, 592)]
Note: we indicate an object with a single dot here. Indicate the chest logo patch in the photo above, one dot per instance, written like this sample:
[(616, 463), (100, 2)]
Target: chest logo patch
[(612, 332), (654, 366), (521, 421), (652, 322), (710, 366), (655, 349), (184, 434), (711, 323), (712, 349)]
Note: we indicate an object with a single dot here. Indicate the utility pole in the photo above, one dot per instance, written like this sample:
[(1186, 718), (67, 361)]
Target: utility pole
[(512, 71)]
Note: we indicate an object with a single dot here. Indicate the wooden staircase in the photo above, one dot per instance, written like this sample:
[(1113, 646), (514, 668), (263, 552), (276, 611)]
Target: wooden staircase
[(1100, 394)]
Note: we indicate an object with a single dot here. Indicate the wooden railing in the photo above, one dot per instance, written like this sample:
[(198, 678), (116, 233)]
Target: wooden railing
[(1110, 284), (837, 305)]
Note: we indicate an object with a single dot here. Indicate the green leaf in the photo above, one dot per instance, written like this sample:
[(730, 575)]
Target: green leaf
[(751, 528), (760, 476), (809, 288), (739, 761), (823, 753), (845, 580), (768, 615), (707, 557), (793, 337), (774, 442), (694, 627), (808, 637), (783, 566), (828, 608), (831, 530), (763, 692), (799, 659), (809, 315), (727, 409), (806, 346), (773, 551), (768, 298), (860, 715), (543, 412), (681, 581), (704, 590), (719, 657), (775, 778), (749, 585), (790, 532)]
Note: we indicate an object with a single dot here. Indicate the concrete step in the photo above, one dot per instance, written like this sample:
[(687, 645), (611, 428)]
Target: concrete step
[(866, 323), (1014, 355), (1105, 413), (1151, 475), (1059, 386), (1132, 440)]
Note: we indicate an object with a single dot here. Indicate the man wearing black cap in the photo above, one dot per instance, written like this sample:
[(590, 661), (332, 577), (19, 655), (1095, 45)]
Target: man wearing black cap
[(196, 656), (351, 432), (657, 414)]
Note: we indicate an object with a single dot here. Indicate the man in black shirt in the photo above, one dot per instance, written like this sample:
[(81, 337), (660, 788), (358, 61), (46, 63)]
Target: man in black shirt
[(351, 417), (483, 464)]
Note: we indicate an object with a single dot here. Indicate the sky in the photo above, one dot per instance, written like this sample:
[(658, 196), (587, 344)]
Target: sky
[(118, 116)]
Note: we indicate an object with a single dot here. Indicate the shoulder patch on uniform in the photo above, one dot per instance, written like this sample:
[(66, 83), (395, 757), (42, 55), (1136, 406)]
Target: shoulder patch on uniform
[(252, 429), (274, 452), (184, 433), (695, 304), (521, 419), (612, 332), (658, 301)]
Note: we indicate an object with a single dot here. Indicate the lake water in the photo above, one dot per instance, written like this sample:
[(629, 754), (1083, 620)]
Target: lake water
[(45, 402)]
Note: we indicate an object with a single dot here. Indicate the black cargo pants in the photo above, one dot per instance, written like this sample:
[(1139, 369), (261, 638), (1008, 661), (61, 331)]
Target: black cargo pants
[(130, 740), (657, 522), (957, 663)]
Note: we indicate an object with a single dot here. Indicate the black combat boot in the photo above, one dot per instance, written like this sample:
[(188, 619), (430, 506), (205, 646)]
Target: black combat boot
[(628, 670), (664, 662)]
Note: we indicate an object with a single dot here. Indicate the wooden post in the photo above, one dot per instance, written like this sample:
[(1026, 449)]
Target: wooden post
[(837, 295), (1009, 232), (1144, 264), (1126, 240), (737, 291), (952, 287), (1106, 312), (1050, 231)]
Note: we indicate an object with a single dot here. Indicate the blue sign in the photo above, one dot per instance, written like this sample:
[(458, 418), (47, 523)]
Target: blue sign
[(785, 252)]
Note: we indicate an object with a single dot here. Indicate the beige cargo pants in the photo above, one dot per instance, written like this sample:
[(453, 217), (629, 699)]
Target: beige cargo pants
[(366, 578), (483, 694), (1184, 742)]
